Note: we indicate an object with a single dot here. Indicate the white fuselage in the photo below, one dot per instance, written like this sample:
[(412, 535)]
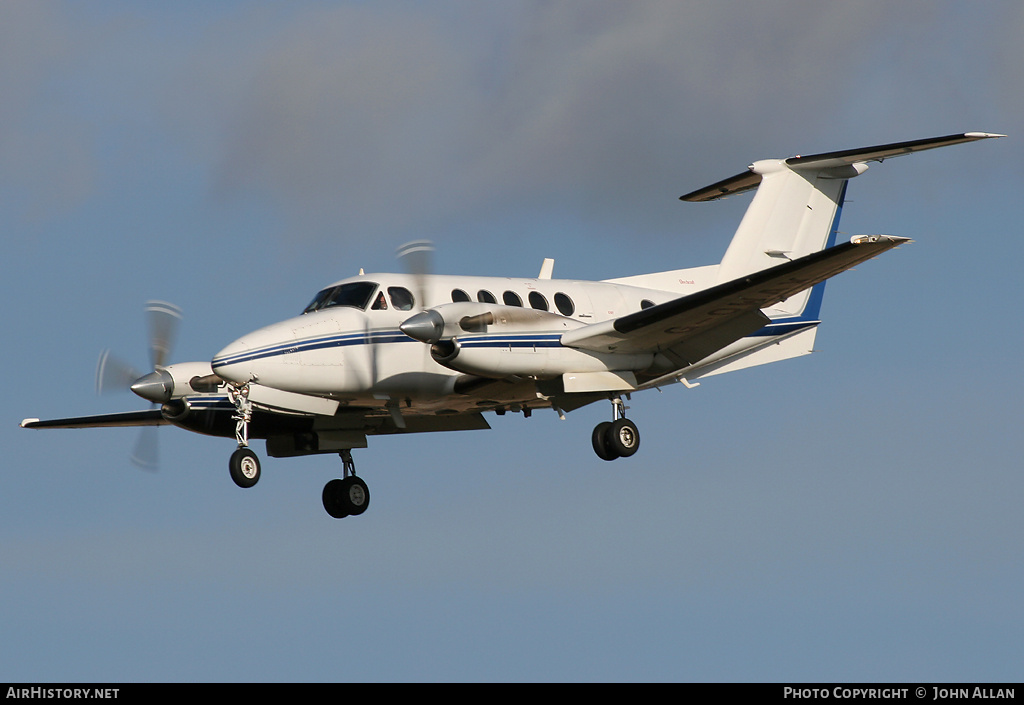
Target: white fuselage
[(348, 352)]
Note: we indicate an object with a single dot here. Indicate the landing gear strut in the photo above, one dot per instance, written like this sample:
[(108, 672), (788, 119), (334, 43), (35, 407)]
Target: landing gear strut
[(618, 438), (348, 496), (244, 463)]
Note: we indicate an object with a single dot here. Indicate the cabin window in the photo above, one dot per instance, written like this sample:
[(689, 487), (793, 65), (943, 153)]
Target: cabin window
[(459, 295), (401, 298), (538, 301), (485, 297), (564, 304), (646, 303), (511, 298)]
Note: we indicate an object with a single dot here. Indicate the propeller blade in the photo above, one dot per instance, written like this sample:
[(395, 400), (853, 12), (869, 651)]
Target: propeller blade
[(417, 256), (146, 454), (374, 347), (113, 374), (163, 318), (418, 259)]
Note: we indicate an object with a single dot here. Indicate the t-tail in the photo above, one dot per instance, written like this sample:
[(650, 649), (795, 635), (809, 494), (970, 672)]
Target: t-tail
[(794, 213), (796, 210)]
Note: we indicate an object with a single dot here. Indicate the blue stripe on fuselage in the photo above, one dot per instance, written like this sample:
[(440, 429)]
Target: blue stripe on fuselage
[(319, 343), (780, 326), (494, 341)]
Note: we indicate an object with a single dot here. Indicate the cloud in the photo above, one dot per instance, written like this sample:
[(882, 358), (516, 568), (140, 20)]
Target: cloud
[(48, 163), (387, 118)]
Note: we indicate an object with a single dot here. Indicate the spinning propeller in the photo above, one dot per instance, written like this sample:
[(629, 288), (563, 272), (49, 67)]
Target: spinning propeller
[(417, 258), (113, 374)]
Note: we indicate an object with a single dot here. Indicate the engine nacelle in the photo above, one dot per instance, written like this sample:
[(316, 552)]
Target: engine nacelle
[(540, 356), (176, 381), (491, 340), (452, 320)]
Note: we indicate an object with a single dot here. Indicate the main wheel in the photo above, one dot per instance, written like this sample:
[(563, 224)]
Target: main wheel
[(348, 497), (623, 437), (332, 499), (355, 495), (602, 444), (245, 467)]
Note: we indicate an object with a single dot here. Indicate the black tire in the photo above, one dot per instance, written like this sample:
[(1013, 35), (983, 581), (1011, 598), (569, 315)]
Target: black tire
[(600, 439), (332, 499), (245, 467), (354, 496), (623, 438)]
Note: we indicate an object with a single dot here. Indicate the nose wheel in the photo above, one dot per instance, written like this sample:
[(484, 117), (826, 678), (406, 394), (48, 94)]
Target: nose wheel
[(619, 438), (245, 467)]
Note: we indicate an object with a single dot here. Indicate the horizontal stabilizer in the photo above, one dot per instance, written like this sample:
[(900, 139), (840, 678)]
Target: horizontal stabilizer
[(726, 187), (884, 151), (748, 180)]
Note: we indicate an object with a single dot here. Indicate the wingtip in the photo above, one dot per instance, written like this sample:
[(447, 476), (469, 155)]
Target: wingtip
[(983, 135), (28, 423)]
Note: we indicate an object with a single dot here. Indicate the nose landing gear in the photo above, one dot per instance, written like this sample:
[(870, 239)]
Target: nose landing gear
[(619, 438), (244, 464)]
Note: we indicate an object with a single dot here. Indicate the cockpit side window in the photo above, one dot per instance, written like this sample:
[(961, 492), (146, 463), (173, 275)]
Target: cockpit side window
[(354, 294)]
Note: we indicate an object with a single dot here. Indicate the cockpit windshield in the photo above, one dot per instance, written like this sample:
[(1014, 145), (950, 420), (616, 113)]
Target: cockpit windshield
[(354, 294)]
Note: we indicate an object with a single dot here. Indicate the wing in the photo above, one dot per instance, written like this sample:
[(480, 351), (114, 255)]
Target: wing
[(149, 417), (690, 328)]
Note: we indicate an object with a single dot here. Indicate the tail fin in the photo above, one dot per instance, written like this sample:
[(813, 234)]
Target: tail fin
[(797, 206)]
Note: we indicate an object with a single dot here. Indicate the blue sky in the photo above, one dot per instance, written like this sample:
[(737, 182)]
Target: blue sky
[(849, 516)]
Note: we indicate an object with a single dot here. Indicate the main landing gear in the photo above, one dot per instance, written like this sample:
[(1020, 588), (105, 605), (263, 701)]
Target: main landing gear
[(348, 496), (618, 438)]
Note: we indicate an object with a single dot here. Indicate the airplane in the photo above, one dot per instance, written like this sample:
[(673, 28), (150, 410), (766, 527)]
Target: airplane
[(417, 352)]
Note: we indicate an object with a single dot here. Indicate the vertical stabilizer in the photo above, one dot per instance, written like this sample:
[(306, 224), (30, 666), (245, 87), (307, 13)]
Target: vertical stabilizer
[(794, 213)]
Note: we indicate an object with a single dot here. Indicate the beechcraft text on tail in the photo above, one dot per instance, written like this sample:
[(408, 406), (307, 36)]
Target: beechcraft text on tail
[(412, 352)]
